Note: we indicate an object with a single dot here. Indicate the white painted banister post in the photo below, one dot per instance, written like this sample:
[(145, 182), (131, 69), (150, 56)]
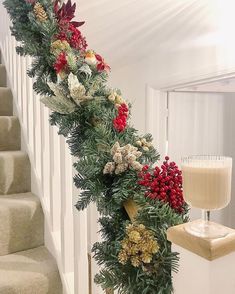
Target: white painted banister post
[(207, 266)]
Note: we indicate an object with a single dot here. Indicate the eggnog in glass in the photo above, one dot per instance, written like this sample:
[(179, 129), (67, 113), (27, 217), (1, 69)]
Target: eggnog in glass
[(207, 185)]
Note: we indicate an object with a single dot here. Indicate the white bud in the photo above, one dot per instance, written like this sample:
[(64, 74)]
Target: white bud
[(145, 148)]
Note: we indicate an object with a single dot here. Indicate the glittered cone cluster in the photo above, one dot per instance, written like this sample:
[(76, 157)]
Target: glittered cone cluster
[(138, 247)]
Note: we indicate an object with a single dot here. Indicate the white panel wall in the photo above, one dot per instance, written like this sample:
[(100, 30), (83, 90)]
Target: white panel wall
[(196, 124)]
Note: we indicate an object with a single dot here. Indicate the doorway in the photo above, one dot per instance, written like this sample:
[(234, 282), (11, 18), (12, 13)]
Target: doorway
[(198, 119)]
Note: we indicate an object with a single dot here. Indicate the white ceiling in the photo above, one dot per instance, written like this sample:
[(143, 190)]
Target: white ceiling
[(123, 30)]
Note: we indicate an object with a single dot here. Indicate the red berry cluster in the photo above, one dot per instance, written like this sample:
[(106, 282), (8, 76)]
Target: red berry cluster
[(120, 121), (164, 184), (61, 63)]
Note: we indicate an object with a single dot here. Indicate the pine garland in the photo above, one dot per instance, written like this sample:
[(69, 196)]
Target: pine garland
[(111, 156)]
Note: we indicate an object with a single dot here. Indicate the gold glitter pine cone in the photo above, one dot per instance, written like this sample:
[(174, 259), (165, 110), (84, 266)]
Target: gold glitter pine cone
[(39, 12)]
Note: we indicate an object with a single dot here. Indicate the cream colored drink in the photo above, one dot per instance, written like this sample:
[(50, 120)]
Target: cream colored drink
[(207, 183)]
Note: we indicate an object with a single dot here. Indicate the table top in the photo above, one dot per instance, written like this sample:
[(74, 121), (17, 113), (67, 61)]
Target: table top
[(209, 249)]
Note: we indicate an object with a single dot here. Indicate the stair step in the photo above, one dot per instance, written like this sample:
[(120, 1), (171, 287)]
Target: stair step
[(21, 223), (3, 80), (6, 101), (9, 133), (14, 172), (32, 271)]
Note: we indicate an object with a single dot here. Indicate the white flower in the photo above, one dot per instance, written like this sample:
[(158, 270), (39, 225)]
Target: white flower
[(59, 102), (86, 70), (77, 90), (145, 148)]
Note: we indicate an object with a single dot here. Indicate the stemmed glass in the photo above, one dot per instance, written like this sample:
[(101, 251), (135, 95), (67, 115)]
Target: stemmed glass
[(207, 185)]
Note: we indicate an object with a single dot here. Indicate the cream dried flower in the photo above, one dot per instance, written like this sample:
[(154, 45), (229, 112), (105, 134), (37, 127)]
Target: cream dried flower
[(136, 166), (130, 158), (109, 168), (125, 157), (120, 168), (118, 157), (116, 148)]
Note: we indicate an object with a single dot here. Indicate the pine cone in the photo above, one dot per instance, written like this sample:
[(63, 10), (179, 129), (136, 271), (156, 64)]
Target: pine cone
[(39, 12)]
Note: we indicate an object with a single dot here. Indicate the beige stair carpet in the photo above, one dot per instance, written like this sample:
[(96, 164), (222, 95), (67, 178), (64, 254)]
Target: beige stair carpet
[(26, 267), (6, 107), (14, 172), (21, 223), (9, 133), (32, 271), (2, 76)]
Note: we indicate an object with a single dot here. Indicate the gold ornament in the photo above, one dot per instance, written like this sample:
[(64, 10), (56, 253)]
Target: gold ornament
[(39, 12)]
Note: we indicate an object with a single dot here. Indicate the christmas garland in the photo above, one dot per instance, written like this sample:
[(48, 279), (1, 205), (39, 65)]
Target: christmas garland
[(114, 164)]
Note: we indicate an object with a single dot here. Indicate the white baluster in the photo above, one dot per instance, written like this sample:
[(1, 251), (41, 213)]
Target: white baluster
[(30, 124), (81, 265), (55, 204), (94, 237), (24, 92), (38, 136), (67, 236), (46, 155)]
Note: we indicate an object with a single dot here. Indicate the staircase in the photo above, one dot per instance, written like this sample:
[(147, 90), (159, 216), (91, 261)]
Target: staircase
[(26, 266)]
